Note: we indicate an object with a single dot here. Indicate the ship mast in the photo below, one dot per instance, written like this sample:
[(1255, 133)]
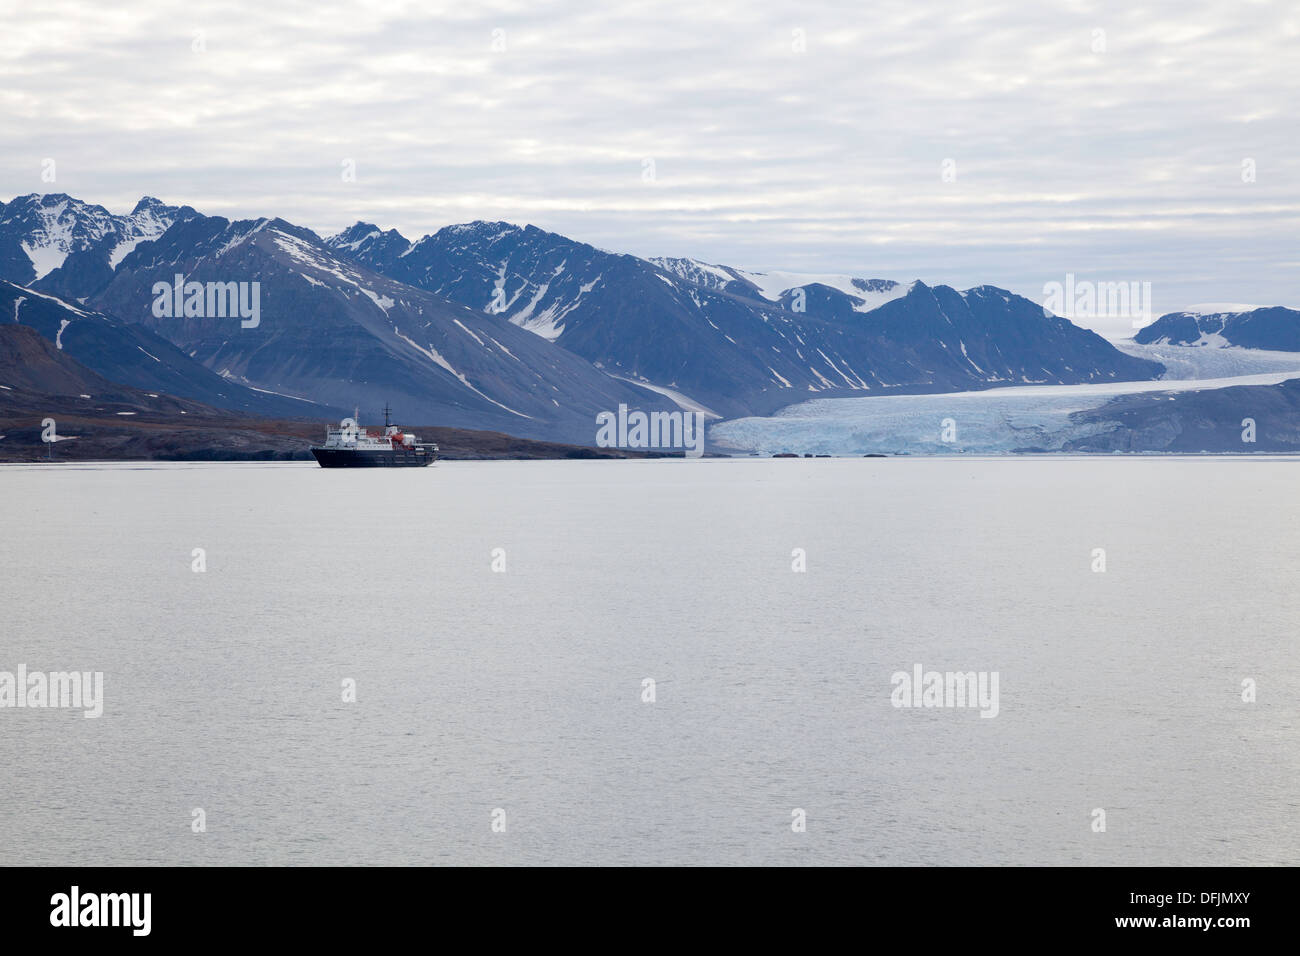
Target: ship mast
[(387, 412)]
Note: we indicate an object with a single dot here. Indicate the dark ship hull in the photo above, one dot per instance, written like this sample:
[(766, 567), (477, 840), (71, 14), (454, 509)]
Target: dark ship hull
[(397, 458)]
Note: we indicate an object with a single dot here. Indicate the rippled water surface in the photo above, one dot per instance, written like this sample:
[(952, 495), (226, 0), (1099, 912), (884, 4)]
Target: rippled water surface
[(523, 690)]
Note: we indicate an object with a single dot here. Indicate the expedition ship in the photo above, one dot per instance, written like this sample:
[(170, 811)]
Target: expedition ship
[(348, 445)]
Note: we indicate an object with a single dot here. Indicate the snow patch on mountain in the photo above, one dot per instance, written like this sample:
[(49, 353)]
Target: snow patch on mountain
[(870, 294), (305, 254), (357, 242), (694, 270), (238, 238), (383, 301), (52, 238), (436, 357), (465, 328), (148, 221), (773, 286), (55, 299), (521, 318), (684, 402), (1220, 308), (122, 250), (46, 256)]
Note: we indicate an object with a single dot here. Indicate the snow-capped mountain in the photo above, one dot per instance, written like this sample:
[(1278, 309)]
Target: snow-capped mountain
[(1245, 326), (742, 342), (532, 278), (132, 355), (62, 245), (492, 325), (331, 330), (863, 295)]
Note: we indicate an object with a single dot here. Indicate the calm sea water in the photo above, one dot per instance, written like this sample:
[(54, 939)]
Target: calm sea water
[(522, 690)]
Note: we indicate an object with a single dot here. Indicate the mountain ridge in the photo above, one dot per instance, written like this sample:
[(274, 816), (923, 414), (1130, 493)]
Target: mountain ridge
[(499, 326), (738, 341), (332, 330), (1275, 328)]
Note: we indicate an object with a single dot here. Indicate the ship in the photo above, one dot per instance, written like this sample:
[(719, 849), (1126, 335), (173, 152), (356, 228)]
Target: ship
[(348, 445)]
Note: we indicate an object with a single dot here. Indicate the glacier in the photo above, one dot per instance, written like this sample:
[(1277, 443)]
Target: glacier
[(1023, 418)]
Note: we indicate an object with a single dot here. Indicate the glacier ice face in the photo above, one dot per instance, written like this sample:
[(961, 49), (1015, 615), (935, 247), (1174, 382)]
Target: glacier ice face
[(989, 422), (1189, 362)]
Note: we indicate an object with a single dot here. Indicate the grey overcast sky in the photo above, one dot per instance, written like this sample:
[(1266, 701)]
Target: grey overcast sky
[(1108, 140)]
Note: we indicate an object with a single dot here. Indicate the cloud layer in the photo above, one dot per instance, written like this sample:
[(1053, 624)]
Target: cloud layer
[(1000, 143)]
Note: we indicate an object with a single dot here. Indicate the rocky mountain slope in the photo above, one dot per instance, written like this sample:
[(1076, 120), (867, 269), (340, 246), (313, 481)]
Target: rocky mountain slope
[(1248, 327), (334, 331), (742, 342), (132, 355)]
